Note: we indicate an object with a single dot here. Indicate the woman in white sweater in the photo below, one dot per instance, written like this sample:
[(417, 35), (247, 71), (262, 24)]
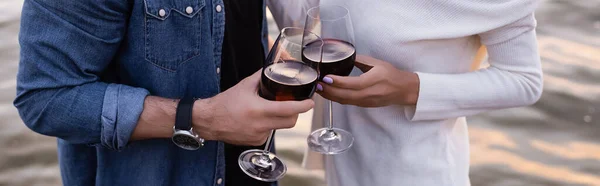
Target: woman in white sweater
[(407, 113)]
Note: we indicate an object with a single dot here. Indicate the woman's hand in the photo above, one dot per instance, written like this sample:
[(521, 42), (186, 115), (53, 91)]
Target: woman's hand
[(382, 84)]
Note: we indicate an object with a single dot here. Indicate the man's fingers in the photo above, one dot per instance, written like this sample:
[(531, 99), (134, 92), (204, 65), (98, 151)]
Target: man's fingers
[(288, 108), (282, 123), (262, 140)]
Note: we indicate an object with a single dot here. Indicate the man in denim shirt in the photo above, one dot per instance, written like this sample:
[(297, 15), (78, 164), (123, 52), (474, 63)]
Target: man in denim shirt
[(105, 78)]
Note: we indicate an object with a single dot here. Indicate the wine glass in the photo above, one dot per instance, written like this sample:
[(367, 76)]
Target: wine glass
[(333, 24), (285, 77)]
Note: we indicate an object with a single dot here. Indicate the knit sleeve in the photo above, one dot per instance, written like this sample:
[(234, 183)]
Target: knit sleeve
[(513, 79)]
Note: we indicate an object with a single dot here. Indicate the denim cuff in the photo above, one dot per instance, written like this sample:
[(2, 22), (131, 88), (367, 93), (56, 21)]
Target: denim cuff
[(121, 110)]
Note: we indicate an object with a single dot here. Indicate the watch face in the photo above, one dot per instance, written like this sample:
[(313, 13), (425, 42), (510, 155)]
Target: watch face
[(186, 142)]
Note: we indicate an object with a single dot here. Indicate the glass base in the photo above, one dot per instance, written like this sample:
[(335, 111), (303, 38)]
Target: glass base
[(262, 166), (330, 141)]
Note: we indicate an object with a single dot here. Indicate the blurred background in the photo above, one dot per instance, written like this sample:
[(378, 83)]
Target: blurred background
[(554, 142)]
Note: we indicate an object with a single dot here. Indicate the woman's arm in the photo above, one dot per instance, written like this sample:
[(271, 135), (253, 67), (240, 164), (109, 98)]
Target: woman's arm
[(513, 79)]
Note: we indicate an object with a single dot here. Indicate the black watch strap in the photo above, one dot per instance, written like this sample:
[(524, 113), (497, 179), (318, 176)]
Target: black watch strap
[(183, 116)]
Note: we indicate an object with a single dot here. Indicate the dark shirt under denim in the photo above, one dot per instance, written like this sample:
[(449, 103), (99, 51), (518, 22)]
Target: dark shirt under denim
[(86, 68)]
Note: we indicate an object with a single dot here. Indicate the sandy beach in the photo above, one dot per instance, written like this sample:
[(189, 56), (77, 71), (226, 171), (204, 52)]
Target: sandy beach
[(553, 142)]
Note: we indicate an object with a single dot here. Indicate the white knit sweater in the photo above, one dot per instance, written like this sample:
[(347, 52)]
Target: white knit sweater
[(427, 144)]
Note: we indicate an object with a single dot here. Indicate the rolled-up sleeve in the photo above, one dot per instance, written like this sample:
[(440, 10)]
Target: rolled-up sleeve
[(65, 46), (120, 112)]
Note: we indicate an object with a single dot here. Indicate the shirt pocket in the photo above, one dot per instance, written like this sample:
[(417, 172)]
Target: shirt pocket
[(172, 31)]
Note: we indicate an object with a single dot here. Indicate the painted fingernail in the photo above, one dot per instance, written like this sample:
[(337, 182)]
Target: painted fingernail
[(327, 80), (319, 87)]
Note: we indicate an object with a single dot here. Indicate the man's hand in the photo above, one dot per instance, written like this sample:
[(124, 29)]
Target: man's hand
[(382, 84), (239, 116)]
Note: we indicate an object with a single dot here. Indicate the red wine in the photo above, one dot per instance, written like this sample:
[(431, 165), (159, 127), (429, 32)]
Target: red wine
[(286, 81), (338, 57)]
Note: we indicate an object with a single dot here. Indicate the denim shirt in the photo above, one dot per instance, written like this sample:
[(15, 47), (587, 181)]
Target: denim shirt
[(86, 67)]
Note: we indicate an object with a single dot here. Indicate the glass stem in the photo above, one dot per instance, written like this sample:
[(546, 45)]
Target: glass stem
[(268, 143), (330, 114)]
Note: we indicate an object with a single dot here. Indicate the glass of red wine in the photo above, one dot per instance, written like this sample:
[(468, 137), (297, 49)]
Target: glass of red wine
[(285, 77), (333, 24)]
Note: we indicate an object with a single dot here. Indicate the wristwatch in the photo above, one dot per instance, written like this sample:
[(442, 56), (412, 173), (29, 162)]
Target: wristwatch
[(183, 135)]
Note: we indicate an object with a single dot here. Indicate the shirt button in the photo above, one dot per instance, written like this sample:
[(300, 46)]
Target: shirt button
[(218, 70), (162, 13), (189, 10), (219, 181), (219, 8)]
